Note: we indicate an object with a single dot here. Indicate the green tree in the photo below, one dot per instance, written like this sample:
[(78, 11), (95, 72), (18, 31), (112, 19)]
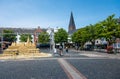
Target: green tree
[(99, 30), (24, 37), (61, 36), (117, 33), (74, 37), (110, 28), (79, 36), (9, 35), (43, 38), (91, 34), (84, 34)]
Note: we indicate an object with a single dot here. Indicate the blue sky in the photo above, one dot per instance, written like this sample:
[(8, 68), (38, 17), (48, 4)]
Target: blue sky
[(55, 13)]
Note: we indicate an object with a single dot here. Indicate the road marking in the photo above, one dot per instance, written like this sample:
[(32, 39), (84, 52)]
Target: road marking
[(31, 59), (92, 55), (70, 70)]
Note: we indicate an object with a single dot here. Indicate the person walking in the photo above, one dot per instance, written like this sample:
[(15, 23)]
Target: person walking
[(66, 49), (55, 51), (60, 50)]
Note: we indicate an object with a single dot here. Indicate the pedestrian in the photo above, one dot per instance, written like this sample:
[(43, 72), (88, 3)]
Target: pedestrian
[(76, 47), (60, 50), (55, 50), (66, 49)]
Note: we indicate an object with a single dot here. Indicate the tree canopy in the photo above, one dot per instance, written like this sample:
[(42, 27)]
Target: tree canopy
[(9, 35), (108, 29), (43, 37), (61, 36), (24, 37)]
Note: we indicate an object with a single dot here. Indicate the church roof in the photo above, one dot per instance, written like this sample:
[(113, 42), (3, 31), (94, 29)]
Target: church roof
[(71, 27)]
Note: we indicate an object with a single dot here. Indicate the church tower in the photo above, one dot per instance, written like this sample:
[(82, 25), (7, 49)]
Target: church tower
[(71, 27)]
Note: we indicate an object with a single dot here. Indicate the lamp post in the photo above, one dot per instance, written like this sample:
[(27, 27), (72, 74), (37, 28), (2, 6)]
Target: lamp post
[(2, 41)]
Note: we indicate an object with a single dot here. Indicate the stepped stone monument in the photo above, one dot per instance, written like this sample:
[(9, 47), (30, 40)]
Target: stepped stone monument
[(22, 48)]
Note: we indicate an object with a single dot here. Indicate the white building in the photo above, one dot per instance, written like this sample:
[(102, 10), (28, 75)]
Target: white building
[(97, 42)]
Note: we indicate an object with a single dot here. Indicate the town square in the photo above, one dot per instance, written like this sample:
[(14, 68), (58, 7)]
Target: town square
[(59, 39)]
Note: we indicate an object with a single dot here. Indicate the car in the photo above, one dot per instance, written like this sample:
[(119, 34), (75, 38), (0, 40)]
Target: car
[(88, 47)]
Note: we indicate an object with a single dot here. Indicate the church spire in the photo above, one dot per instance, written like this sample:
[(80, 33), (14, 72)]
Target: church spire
[(72, 26)]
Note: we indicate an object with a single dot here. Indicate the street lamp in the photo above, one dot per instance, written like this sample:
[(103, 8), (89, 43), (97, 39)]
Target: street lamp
[(2, 41)]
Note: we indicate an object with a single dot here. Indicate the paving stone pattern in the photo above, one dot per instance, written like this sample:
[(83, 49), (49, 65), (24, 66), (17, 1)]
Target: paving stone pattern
[(98, 68), (31, 69)]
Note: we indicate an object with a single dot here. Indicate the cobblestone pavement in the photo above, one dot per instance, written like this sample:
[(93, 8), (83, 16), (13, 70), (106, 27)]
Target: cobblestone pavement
[(97, 54), (31, 69), (92, 65), (50, 68), (97, 68)]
